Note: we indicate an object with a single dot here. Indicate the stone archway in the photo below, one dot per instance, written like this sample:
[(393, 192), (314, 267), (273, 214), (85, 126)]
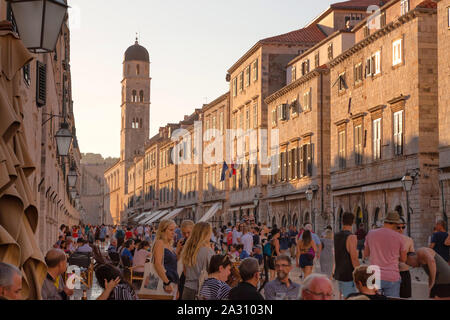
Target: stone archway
[(283, 221)]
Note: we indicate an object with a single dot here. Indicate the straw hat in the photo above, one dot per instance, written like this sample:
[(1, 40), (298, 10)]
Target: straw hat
[(392, 217)]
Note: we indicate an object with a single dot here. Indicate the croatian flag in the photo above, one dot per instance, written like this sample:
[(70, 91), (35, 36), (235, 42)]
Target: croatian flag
[(224, 170), (233, 170)]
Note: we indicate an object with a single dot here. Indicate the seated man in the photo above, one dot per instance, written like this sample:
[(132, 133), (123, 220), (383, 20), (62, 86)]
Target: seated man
[(282, 284), (112, 246), (10, 282), (53, 287), (242, 253), (317, 287), (247, 289), (437, 269), (84, 246), (361, 278)]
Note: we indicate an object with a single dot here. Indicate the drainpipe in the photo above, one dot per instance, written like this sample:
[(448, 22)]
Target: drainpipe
[(321, 144), (444, 211)]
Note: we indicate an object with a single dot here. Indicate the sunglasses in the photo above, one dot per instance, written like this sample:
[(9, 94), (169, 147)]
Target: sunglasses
[(401, 228)]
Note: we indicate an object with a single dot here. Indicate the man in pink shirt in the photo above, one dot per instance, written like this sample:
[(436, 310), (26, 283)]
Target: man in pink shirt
[(385, 248)]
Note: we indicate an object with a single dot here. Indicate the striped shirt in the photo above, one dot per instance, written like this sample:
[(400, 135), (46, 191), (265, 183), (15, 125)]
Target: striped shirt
[(123, 291), (214, 289)]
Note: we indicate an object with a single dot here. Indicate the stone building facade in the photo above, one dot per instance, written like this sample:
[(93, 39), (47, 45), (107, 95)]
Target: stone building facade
[(46, 104), (384, 120), (348, 129), (443, 35), (92, 183)]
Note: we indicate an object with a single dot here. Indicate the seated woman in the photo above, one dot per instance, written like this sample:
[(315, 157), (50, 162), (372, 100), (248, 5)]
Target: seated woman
[(115, 287), (215, 287), (140, 257)]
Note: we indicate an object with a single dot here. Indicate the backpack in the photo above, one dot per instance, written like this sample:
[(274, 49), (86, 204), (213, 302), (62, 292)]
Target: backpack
[(229, 238), (267, 249)]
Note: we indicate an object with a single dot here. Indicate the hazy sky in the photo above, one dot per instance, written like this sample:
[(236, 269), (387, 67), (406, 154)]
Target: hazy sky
[(191, 44)]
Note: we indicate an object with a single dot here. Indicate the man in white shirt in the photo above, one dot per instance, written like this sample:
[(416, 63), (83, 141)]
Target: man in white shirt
[(247, 240), (236, 236)]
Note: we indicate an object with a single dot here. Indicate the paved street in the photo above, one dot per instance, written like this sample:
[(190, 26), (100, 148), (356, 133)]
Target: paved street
[(419, 285)]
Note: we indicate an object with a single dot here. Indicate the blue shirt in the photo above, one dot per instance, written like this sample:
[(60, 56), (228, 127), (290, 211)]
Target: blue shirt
[(243, 255), (126, 252)]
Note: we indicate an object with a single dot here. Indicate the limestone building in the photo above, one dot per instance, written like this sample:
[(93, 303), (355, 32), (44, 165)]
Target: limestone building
[(384, 119), (92, 168), (443, 38)]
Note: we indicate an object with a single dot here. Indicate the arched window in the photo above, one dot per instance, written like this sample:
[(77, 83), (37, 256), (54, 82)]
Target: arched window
[(295, 220), (140, 123), (137, 69), (307, 218), (375, 218), (283, 222), (141, 96), (274, 222), (134, 96), (399, 210)]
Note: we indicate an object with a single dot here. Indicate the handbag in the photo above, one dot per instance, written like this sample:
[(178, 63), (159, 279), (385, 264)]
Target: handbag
[(152, 283)]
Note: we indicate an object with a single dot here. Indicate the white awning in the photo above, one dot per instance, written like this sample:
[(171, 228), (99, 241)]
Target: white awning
[(156, 217), (173, 213), (134, 215), (211, 212), (140, 216), (148, 217)]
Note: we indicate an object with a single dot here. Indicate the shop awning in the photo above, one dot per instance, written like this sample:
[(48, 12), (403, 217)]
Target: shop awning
[(211, 212), (147, 217), (173, 213), (134, 215), (156, 217), (140, 216)]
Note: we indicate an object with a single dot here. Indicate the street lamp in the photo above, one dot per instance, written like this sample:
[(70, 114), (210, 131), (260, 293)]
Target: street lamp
[(72, 177), (407, 183), (39, 22), (63, 139)]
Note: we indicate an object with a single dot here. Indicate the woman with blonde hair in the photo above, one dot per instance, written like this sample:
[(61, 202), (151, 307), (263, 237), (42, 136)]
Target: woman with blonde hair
[(195, 256), (165, 258)]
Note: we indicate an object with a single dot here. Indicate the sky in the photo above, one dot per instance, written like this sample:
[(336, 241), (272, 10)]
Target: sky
[(191, 44)]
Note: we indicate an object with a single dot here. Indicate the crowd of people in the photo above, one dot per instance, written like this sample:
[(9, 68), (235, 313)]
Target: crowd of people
[(247, 261)]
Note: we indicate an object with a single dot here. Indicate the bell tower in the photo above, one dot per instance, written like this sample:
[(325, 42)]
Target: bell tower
[(135, 122)]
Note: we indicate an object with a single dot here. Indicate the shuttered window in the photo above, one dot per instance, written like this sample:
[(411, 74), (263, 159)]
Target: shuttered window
[(398, 132), (41, 83)]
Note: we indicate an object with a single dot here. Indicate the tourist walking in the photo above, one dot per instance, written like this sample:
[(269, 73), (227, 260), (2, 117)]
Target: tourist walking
[(346, 255), (385, 248), (306, 251), (405, 275), (195, 256), (440, 241), (327, 254)]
